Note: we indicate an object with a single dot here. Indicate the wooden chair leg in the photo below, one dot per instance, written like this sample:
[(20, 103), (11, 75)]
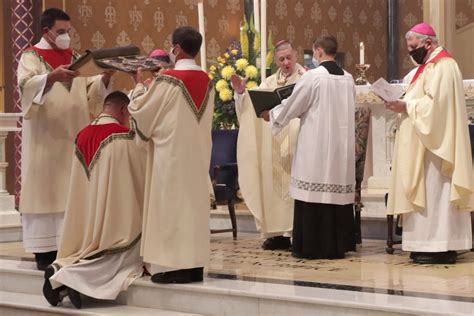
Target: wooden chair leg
[(233, 219), (389, 248)]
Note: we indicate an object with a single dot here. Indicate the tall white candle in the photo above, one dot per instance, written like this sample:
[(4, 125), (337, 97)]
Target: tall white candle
[(256, 15), (263, 38), (202, 30), (361, 53)]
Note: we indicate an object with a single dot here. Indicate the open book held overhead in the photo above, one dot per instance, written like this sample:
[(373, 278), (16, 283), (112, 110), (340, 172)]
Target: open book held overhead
[(125, 58)]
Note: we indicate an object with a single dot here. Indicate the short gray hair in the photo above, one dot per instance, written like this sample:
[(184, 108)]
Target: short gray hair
[(282, 46), (421, 37)]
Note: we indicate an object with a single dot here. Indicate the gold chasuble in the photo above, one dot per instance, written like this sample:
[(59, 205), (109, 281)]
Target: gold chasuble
[(436, 124), (265, 162), (175, 114), (51, 121), (103, 217)]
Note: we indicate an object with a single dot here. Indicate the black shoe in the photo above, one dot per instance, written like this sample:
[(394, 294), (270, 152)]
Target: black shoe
[(446, 257), (74, 297), (413, 254), (179, 276), (51, 295), (277, 243), (44, 259)]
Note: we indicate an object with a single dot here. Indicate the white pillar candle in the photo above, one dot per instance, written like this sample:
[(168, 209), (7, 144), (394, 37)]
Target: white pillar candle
[(361, 53), (256, 15), (263, 38), (202, 30)]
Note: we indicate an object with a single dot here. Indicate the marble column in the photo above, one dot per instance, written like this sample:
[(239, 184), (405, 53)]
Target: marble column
[(22, 36)]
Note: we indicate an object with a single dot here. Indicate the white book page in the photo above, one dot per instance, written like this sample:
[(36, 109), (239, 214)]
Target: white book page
[(386, 91)]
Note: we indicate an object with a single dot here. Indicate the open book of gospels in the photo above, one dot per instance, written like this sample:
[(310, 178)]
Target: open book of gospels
[(125, 58), (386, 91), (267, 99)]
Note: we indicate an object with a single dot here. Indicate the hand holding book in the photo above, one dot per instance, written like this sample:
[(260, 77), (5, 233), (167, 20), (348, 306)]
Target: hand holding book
[(266, 99)]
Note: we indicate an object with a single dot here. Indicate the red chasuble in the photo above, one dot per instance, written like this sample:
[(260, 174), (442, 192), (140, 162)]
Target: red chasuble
[(54, 57), (195, 81), (92, 138), (442, 54)]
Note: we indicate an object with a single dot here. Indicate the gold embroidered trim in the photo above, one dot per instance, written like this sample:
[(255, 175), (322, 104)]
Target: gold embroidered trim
[(322, 187), (75, 56), (138, 131), (32, 51), (176, 82), (106, 252), (114, 251), (88, 169), (23, 82)]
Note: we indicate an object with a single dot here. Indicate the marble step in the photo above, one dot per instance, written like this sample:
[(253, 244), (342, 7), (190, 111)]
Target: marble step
[(224, 296), (9, 233), (30, 304)]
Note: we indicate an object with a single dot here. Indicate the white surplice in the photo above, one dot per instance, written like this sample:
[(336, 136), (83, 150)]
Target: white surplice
[(51, 121), (323, 169)]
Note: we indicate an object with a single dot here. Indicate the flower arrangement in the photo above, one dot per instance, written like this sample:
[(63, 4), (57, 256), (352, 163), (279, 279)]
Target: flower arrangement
[(230, 63), (240, 58)]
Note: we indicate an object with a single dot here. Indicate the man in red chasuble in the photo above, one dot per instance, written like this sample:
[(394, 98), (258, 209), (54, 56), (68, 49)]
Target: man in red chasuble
[(56, 104), (174, 114), (99, 252)]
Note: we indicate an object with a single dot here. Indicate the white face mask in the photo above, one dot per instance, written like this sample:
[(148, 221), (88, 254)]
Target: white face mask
[(62, 41), (172, 56), (315, 62)]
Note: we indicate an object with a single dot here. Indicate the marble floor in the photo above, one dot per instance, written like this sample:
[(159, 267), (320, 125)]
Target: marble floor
[(369, 269)]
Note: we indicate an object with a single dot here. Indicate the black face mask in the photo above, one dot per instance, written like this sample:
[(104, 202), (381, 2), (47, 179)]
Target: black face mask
[(418, 54)]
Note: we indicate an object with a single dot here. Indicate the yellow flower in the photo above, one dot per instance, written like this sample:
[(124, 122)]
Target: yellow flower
[(212, 68), (220, 60), (256, 43), (269, 59), (211, 76), (221, 84), (234, 52), (225, 95), (250, 84), (226, 55), (221, 64), (251, 72), (227, 72), (241, 64)]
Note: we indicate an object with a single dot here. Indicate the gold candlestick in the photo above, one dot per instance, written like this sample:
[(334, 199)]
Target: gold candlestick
[(361, 77)]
